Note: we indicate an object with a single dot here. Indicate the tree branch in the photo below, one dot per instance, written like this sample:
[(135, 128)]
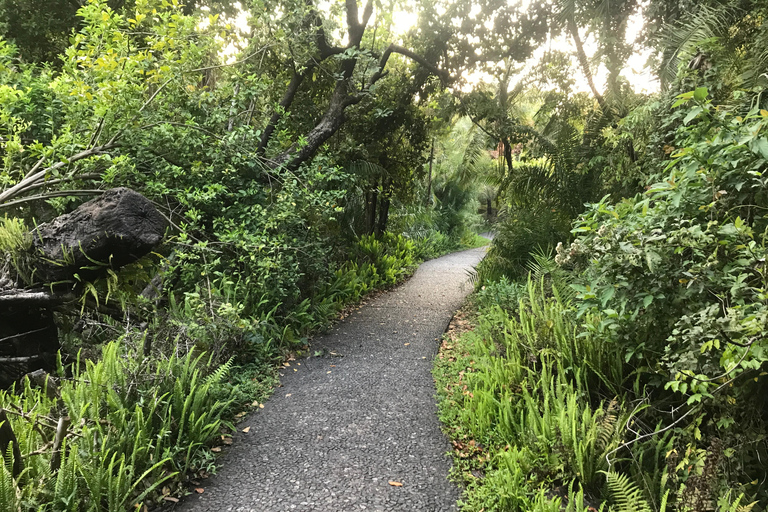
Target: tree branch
[(38, 176)]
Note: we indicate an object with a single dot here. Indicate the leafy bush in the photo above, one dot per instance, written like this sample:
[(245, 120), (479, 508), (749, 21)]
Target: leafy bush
[(520, 233), (502, 293), (677, 275), (675, 279)]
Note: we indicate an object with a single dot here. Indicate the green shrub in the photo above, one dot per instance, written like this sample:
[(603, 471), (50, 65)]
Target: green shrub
[(520, 233)]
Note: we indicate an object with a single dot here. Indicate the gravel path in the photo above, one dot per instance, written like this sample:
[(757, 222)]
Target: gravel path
[(346, 423)]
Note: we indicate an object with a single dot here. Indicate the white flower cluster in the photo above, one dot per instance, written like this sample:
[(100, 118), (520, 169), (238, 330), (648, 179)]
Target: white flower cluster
[(566, 256)]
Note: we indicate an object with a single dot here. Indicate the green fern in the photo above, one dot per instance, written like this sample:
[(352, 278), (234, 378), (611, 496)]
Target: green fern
[(9, 491), (625, 494), (220, 372), (607, 426)]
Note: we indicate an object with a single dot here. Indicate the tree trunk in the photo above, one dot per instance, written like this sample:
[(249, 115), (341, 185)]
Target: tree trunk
[(429, 183), (371, 201), (584, 62), (381, 226)]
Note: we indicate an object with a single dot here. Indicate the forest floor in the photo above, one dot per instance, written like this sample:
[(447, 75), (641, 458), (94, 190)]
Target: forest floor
[(354, 426)]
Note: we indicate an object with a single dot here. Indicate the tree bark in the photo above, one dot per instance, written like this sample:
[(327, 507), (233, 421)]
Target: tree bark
[(371, 202), (108, 232), (381, 226), (429, 182)]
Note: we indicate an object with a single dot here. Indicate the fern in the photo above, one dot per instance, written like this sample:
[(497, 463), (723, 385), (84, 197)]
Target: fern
[(220, 372), (607, 426), (625, 494), (9, 491)]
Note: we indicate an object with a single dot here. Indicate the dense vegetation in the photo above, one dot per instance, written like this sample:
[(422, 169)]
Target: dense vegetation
[(617, 359), (291, 165), (316, 155)]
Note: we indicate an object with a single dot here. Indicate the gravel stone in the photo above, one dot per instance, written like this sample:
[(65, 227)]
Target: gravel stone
[(362, 414)]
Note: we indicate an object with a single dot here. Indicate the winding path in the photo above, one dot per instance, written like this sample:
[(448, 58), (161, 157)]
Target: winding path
[(346, 423)]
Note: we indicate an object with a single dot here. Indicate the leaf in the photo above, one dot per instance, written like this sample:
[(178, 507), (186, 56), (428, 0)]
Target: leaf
[(760, 146), (216, 449), (395, 484), (199, 490), (700, 94), (171, 499), (247, 429), (695, 111)]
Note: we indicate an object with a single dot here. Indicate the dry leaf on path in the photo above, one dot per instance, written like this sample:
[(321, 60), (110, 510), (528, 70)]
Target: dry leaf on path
[(199, 490), (247, 429), (216, 449), (395, 484), (171, 499)]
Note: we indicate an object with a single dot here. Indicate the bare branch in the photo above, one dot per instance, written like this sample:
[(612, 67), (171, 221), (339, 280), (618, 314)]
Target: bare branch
[(38, 176), (50, 195)]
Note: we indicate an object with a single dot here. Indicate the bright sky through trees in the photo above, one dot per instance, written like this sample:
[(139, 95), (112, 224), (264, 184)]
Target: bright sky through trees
[(641, 79)]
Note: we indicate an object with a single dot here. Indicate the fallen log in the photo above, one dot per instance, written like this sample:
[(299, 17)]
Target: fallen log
[(103, 234), (108, 232)]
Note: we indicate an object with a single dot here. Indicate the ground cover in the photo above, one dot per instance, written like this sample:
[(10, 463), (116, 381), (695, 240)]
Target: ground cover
[(542, 417)]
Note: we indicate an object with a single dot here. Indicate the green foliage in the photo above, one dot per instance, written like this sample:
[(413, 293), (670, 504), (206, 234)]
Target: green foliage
[(134, 424), (15, 242), (675, 274), (530, 391), (520, 233)]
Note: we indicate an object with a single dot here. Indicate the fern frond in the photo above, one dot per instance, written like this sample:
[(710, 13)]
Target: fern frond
[(686, 36), (625, 494), (220, 372), (607, 425)]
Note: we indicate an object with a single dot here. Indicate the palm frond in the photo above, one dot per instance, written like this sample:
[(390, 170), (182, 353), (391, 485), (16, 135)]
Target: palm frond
[(474, 154), (685, 37)]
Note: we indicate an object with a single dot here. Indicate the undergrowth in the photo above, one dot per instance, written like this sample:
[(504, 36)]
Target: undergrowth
[(127, 424), (542, 417), (113, 434)]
